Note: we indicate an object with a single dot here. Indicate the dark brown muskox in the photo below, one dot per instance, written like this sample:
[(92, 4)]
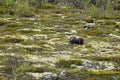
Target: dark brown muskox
[(74, 40)]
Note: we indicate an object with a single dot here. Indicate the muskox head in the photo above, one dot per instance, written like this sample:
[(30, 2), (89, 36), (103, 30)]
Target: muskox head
[(74, 40)]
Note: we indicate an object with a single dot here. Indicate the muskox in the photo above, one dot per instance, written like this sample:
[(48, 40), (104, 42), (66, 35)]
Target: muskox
[(75, 40)]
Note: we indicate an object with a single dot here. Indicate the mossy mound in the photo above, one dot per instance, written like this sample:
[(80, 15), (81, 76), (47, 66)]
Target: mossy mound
[(9, 39), (89, 19), (67, 63), (3, 22), (110, 22), (93, 32)]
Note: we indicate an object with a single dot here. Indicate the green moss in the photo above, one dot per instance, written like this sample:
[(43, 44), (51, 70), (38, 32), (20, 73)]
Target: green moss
[(93, 32), (91, 75), (26, 31), (67, 63), (7, 69), (48, 6), (34, 48), (102, 73), (28, 68), (102, 58), (6, 31), (10, 60), (117, 6), (2, 47), (94, 78), (2, 77), (116, 59), (27, 14), (12, 39), (117, 26), (47, 32), (27, 42), (110, 22), (89, 19), (3, 10), (3, 22), (14, 25)]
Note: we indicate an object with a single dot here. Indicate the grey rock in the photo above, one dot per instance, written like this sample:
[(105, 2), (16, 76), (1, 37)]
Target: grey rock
[(68, 33), (100, 65), (49, 76), (34, 19), (89, 26), (77, 67), (87, 63), (104, 35), (115, 77), (62, 74), (96, 65), (62, 52)]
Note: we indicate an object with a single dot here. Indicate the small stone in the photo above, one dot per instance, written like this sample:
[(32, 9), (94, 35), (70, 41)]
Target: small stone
[(63, 17), (77, 67), (49, 76), (89, 26), (73, 31), (87, 63), (68, 33), (62, 74), (115, 36), (104, 35), (65, 52), (34, 19)]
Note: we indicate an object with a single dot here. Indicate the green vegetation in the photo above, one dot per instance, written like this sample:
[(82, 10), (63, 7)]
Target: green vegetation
[(110, 22), (92, 75), (34, 38), (11, 39), (110, 58), (93, 32), (3, 22), (67, 63), (2, 77)]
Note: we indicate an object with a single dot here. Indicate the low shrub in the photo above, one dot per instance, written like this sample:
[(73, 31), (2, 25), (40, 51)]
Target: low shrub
[(67, 63), (13, 39), (3, 22), (2, 77), (93, 32), (89, 19), (116, 59), (110, 22)]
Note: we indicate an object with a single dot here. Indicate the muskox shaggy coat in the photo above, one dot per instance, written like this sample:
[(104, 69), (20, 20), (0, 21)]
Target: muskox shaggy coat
[(74, 40)]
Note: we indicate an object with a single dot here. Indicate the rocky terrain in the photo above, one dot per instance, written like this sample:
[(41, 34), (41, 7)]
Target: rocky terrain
[(38, 47)]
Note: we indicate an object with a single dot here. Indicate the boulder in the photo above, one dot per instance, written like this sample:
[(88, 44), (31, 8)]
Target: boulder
[(89, 26), (62, 75)]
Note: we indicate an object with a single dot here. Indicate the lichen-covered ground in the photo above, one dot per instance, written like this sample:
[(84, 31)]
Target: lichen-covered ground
[(31, 48)]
